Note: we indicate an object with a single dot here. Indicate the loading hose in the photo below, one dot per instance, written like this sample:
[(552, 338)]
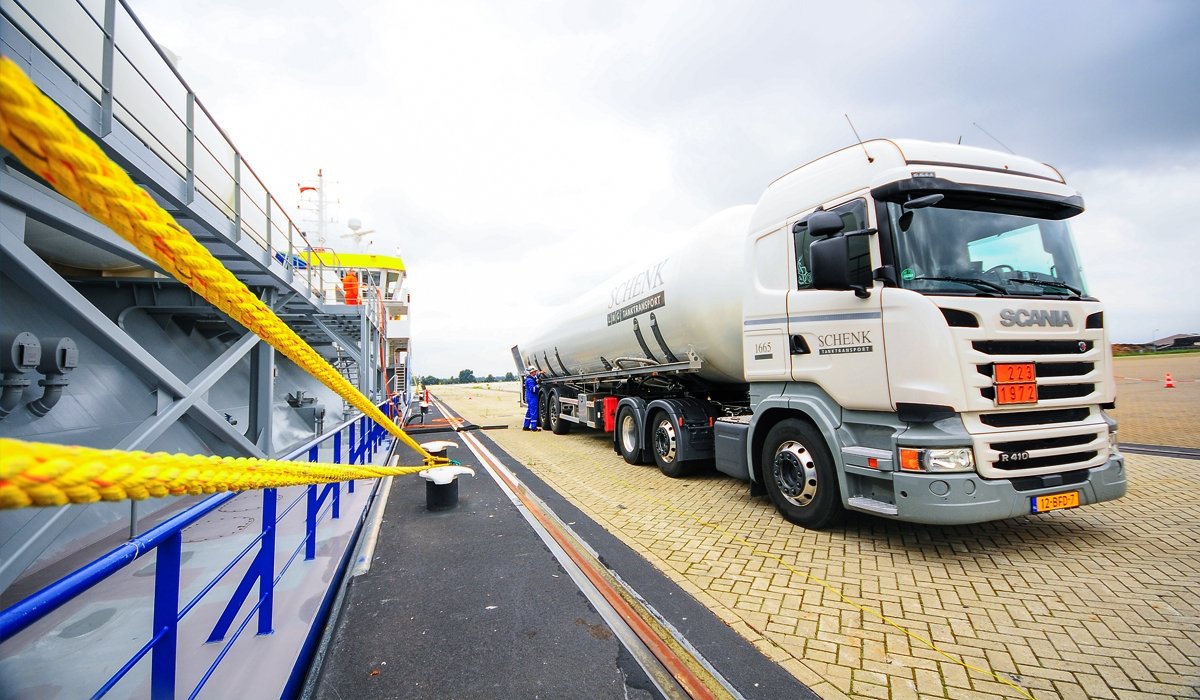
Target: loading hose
[(47, 142)]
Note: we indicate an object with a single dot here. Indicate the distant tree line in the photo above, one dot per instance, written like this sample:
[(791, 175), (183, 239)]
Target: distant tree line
[(467, 376)]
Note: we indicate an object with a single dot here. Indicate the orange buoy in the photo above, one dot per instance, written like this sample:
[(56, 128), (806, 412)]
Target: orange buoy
[(1170, 383)]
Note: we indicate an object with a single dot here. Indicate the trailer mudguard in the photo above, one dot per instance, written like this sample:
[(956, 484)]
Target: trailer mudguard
[(695, 433)]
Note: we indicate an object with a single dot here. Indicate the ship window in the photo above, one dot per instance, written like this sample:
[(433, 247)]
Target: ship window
[(854, 218)]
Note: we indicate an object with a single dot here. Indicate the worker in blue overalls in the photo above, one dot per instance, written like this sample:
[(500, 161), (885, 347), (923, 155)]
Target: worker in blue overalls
[(531, 400)]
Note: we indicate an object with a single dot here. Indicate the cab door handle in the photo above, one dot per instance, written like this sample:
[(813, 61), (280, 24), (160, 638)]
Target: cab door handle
[(798, 345)]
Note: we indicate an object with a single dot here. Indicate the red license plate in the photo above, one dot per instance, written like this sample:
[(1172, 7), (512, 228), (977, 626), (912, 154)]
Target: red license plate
[(1016, 393), (1014, 373)]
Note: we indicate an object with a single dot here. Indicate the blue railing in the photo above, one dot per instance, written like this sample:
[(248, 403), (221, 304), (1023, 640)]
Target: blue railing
[(363, 438)]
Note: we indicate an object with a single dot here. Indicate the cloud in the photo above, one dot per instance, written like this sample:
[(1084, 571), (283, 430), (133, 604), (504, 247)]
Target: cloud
[(1139, 248)]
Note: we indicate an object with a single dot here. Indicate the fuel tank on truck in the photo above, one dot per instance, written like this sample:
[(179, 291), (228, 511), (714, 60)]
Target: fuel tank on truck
[(693, 296)]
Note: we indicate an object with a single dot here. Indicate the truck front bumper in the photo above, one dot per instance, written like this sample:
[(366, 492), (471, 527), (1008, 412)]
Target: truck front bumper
[(957, 499)]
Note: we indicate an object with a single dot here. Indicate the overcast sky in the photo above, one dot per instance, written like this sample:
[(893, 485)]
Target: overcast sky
[(517, 153)]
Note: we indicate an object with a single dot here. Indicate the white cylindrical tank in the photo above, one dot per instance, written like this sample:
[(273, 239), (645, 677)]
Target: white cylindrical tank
[(693, 295)]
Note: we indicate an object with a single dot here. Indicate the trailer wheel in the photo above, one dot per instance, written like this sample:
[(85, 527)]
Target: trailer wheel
[(543, 420), (554, 409), (629, 442), (665, 445), (799, 475)]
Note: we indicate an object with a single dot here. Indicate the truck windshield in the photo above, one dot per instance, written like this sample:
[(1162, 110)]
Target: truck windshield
[(943, 250)]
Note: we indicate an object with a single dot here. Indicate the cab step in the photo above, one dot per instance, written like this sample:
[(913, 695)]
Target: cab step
[(873, 506)]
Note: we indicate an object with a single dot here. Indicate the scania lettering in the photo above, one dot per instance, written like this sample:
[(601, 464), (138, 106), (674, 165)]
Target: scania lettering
[(1036, 317), (901, 328)]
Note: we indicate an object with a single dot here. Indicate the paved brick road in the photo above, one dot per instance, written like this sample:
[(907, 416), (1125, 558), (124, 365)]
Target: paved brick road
[(1148, 412), (1099, 602)]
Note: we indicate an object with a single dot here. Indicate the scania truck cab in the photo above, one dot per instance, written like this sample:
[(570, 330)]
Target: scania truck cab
[(920, 342)]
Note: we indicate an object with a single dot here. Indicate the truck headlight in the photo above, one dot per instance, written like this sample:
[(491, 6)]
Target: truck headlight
[(1113, 448), (958, 459), (954, 459)]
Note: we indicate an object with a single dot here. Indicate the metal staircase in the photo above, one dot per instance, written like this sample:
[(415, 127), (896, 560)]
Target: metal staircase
[(348, 368)]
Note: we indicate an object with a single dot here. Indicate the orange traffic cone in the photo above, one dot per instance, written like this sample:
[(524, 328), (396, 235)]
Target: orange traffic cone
[(1170, 383)]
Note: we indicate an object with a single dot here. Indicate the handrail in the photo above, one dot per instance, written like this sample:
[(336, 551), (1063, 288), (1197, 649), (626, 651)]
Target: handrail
[(276, 214), (38, 605), (163, 639)]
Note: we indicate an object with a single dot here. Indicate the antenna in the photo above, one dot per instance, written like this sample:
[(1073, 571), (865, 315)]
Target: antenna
[(358, 234), (994, 138), (860, 141)]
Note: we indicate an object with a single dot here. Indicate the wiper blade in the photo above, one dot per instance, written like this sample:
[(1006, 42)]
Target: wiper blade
[(976, 283), (1051, 283)]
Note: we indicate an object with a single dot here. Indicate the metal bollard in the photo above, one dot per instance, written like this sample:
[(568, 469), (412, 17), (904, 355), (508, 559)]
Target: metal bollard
[(441, 483)]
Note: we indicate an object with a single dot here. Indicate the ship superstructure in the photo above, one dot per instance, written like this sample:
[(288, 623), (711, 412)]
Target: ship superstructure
[(145, 363)]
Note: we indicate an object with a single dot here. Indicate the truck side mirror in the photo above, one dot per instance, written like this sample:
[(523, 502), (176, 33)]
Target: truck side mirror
[(820, 223), (831, 265)]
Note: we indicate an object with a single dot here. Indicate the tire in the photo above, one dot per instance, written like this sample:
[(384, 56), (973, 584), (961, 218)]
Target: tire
[(664, 444), (543, 420), (799, 475), (629, 439), (554, 415)]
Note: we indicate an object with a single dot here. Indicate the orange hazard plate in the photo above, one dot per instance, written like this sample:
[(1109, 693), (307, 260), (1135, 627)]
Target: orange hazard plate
[(1016, 393), (1055, 501), (1011, 373)]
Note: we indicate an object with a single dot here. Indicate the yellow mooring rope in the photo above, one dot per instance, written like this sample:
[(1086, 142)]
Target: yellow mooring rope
[(39, 474), (46, 141)]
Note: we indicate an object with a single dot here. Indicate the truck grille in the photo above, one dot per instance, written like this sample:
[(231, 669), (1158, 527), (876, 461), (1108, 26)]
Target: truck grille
[(1048, 369), (1032, 347), (1065, 451), (1017, 419), (1052, 391), (1055, 368)]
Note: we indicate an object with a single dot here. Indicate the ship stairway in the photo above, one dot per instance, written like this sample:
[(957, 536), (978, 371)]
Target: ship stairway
[(348, 368), (400, 379)]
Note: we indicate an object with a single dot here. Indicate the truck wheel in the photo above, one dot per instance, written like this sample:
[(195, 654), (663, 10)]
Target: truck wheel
[(665, 445), (543, 420), (554, 408), (799, 475), (628, 440)]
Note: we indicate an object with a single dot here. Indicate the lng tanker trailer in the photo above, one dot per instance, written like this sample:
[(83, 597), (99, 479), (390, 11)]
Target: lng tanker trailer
[(900, 328)]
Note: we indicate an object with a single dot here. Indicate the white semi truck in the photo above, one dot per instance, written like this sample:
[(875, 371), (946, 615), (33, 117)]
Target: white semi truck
[(900, 328)]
